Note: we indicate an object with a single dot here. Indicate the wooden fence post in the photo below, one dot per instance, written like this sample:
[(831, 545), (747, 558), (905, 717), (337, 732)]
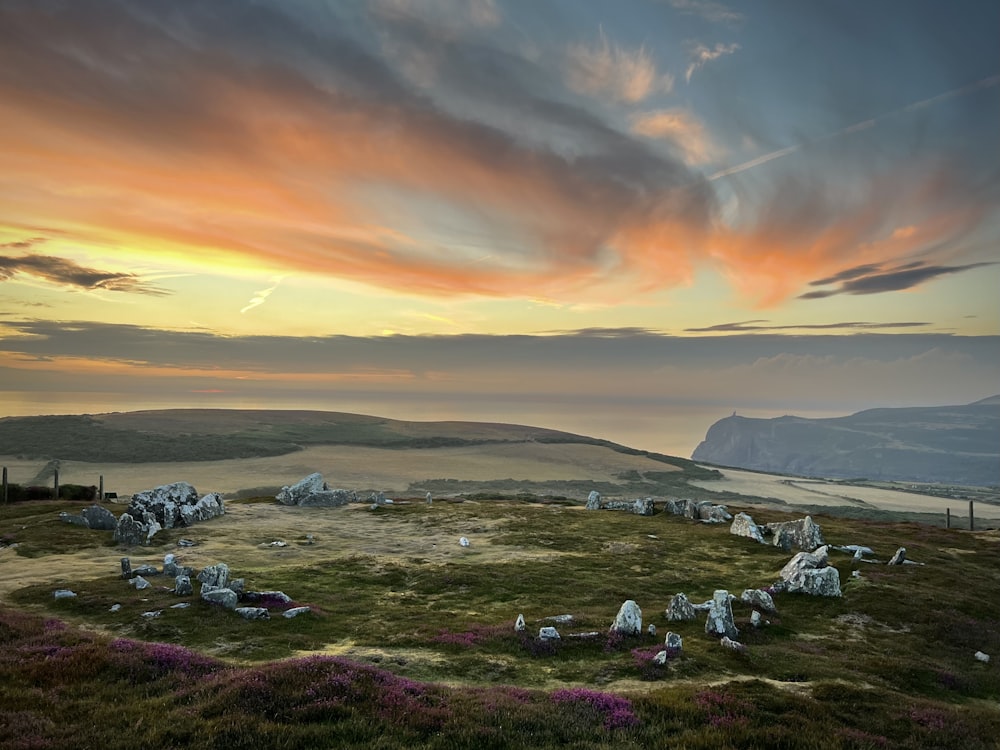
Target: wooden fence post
[(972, 518), (100, 496), (947, 518)]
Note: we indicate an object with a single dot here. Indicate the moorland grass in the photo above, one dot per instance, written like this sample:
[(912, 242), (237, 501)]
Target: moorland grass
[(889, 664)]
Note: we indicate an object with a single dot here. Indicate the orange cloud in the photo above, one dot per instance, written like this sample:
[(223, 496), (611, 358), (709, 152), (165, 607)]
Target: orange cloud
[(680, 127), (606, 68)]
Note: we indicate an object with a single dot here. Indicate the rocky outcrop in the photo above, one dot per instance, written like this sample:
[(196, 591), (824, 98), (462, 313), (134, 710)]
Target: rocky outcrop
[(165, 507), (313, 491), (628, 621), (164, 502), (720, 616)]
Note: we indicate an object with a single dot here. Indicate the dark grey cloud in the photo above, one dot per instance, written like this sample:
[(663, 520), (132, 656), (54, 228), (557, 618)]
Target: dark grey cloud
[(754, 325), (68, 273), (873, 280)]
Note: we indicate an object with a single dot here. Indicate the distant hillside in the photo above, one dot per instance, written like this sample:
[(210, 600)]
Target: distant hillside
[(946, 444), (219, 434)]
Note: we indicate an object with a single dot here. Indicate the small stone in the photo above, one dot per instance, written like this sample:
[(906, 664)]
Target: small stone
[(146, 570), (309, 539), (180, 605), (186, 543), (560, 619), (628, 621), (755, 619), (295, 612), (674, 641), (519, 625), (660, 659), (278, 543), (651, 630), (430, 498), (140, 583), (464, 541), (253, 613), (980, 656), (182, 586), (729, 643), (152, 614), (899, 558), (63, 594), (126, 568), (548, 634), (115, 607)]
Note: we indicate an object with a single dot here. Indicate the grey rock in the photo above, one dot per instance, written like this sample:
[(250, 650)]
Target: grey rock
[(804, 561), (720, 616), (519, 625), (170, 564), (152, 614), (594, 500), (628, 621), (126, 568), (856, 549), (899, 557), (302, 489), (145, 570), (63, 594), (130, 531), (115, 607), (186, 543), (559, 619), (674, 642), (140, 583), (980, 656), (236, 584), (651, 630), (329, 499), (215, 575), (430, 498), (180, 605), (208, 507), (278, 596), (253, 613), (182, 586), (643, 507), (817, 582), (680, 609), (759, 600), (755, 619), (99, 517), (660, 659), (278, 543), (743, 525), (295, 612), (226, 597), (548, 633), (732, 645), (802, 534), (74, 520)]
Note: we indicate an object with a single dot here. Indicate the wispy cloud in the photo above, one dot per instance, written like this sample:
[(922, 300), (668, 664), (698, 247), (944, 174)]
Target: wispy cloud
[(756, 325), (68, 273), (628, 75), (701, 55), (260, 297), (25, 244), (679, 126), (710, 10), (875, 279)]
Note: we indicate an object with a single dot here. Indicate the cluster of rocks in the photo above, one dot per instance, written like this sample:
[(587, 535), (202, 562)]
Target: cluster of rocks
[(643, 506), (313, 491), (803, 533), (217, 587), (810, 573), (698, 510), (165, 507)]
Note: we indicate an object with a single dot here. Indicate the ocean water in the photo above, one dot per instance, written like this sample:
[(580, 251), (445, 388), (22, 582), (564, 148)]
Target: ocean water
[(663, 427)]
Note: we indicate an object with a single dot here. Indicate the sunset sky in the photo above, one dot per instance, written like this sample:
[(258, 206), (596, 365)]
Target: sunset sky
[(762, 205)]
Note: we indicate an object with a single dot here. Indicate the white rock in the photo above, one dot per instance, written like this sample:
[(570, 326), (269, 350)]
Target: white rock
[(720, 616), (729, 643), (519, 625), (651, 630), (755, 619), (980, 656), (253, 613), (548, 634), (295, 612), (660, 659), (464, 541), (628, 621), (154, 613), (743, 525), (899, 558), (594, 500), (180, 605), (64, 594), (821, 582), (140, 583), (115, 607)]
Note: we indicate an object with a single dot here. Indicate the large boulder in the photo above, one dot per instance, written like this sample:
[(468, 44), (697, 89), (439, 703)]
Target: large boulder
[(720, 616), (99, 517), (227, 598), (294, 494), (802, 534), (805, 561), (743, 525), (209, 506), (628, 621), (680, 609), (164, 502), (817, 582)]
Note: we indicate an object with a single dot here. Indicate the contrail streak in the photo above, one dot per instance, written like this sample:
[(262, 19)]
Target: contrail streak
[(985, 83)]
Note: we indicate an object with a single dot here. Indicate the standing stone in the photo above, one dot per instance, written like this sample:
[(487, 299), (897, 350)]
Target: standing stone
[(519, 625), (899, 558), (680, 609), (643, 507), (130, 531), (720, 616), (548, 633), (170, 564), (755, 619), (63, 594), (674, 642), (660, 659), (215, 575), (651, 630), (804, 534), (430, 498), (594, 500), (126, 568), (182, 586), (628, 621), (743, 525)]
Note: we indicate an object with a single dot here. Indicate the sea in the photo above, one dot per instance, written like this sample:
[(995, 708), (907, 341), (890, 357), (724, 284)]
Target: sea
[(660, 426)]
